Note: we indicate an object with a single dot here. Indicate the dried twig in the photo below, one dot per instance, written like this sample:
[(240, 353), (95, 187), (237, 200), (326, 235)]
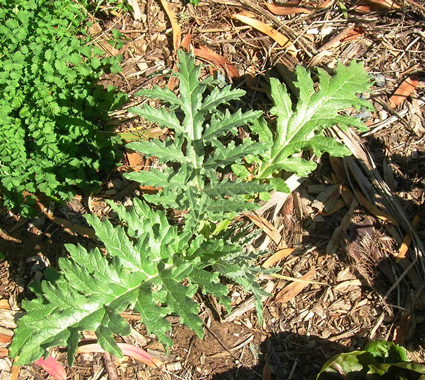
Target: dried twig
[(110, 366)]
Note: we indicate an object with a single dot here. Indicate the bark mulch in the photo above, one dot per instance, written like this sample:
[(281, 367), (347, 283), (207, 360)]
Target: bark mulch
[(347, 240)]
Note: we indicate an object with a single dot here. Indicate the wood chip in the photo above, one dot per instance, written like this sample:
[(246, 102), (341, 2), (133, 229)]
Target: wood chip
[(173, 367), (14, 375), (247, 305), (5, 339)]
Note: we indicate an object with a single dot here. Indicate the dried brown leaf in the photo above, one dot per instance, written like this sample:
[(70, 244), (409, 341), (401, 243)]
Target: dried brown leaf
[(282, 40), (292, 290), (404, 91), (355, 33), (375, 210), (209, 55), (128, 349), (266, 226), (52, 367), (279, 255), (66, 224), (177, 31), (336, 40), (337, 206), (407, 239), (347, 195), (137, 13), (134, 159), (402, 329), (325, 4), (338, 168), (186, 41), (5, 236), (267, 373), (285, 9), (386, 4), (333, 244)]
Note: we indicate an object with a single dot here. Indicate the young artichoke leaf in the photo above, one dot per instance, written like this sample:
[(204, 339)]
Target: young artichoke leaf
[(151, 267), (197, 151), (301, 127)]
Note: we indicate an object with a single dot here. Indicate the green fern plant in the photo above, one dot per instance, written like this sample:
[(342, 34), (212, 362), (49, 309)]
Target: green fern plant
[(194, 178), (300, 127), (51, 109)]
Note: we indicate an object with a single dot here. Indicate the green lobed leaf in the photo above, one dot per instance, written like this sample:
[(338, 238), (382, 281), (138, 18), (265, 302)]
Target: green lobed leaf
[(150, 267), (241, 171), (224, 123), (379, 359), (300, 128), (262, 129), (165, 151), (233, 188), (196, 152), (225, 155), (159, 93), (221, 96), (158, 178), (162, 116)]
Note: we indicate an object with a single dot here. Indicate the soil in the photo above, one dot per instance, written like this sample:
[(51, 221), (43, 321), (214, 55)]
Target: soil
[(342, 229)]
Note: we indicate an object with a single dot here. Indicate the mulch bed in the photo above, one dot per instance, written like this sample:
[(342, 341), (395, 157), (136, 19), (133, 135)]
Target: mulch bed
[(352, 286)]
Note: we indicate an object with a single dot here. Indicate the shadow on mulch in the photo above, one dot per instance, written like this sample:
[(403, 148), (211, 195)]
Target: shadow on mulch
[(39, 244), (288, 356)]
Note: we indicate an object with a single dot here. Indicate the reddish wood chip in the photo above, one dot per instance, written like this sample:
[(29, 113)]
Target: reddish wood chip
[(6, 339), (4, 304)]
